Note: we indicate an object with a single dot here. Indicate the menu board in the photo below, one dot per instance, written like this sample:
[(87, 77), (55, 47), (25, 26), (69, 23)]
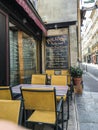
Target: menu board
[(57, 52)]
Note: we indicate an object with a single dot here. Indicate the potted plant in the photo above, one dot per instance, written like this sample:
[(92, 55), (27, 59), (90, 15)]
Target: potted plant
[(76, 74)]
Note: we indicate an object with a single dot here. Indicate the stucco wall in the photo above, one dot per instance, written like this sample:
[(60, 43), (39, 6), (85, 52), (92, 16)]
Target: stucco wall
[(54, 11), (73, 45)]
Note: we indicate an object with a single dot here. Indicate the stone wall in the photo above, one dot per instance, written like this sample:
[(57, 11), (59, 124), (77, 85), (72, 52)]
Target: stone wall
[(73, 45)]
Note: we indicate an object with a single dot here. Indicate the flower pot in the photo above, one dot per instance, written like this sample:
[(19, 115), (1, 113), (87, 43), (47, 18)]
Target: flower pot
[(78, 85), (77, 81), (78, 89)]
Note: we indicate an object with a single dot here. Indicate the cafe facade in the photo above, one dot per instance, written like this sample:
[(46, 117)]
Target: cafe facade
[(21, 35)]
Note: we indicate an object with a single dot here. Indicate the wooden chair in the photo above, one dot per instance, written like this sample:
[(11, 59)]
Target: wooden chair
[(38, 79), (11, 110), (43, 102), (5, 92)]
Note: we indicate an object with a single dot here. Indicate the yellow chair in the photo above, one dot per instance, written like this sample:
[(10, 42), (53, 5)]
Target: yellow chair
[(43, 102), (60, 80), (38, 79), (64, 72), (70, 85), (69, 81), (5, 92), (11, 110), (50, 72)]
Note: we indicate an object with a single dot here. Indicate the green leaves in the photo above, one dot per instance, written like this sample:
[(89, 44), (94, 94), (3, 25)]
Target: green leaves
[(76, 71)]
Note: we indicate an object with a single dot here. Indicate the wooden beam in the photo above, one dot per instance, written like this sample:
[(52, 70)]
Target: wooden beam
[(21, 62)]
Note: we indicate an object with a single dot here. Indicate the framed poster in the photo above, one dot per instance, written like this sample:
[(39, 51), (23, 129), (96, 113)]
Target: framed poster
[(57, 52)]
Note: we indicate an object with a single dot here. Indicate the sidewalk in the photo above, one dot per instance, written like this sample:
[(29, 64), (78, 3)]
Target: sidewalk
[(73, 123), (87, 104)]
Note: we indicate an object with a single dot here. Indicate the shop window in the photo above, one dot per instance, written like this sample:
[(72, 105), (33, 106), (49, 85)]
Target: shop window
[(14, 59), (29, 56)]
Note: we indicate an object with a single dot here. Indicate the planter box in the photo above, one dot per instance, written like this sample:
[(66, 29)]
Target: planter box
[(78, 89)]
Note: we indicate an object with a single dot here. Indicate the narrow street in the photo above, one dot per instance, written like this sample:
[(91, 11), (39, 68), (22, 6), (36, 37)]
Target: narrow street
[(90, 83)]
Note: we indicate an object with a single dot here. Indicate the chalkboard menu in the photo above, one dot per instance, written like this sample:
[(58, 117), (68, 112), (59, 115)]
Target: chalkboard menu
[(57, 52)]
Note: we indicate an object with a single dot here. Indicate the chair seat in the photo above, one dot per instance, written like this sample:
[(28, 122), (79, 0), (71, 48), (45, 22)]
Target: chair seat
[(59, 97), (43, 117)]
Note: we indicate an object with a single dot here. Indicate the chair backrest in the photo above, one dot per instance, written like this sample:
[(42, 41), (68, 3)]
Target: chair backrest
[(38, 79), (59, 80), (64, 72), (10, 110), (5, 92), (39, 99), (69, 79), (50, 72), (67, 73)]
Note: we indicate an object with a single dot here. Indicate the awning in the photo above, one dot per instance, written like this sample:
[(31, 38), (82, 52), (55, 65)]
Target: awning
[(31, 14)]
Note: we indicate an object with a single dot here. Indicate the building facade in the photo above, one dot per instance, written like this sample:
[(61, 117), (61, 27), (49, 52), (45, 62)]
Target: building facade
[(90, 39), (21, 36), (60, 18)]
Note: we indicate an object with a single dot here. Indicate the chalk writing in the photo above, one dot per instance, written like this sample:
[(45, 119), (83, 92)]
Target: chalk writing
[(57, 52)]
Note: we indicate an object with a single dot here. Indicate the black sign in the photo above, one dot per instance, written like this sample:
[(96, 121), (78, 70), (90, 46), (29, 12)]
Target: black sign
[(57, 52)]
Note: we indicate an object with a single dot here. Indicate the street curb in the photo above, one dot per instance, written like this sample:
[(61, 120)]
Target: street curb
[(77, 116)]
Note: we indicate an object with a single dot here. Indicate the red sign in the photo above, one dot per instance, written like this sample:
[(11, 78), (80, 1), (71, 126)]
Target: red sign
[(24, 5)]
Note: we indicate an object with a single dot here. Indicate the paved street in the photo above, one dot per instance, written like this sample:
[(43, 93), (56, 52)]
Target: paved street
[(87, 104), (90, 83)]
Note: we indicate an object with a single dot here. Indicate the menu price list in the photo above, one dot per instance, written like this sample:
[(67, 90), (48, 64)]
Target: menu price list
[(57, 52)]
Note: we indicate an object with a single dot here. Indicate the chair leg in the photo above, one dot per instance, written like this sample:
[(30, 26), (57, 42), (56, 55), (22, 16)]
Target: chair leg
[(66, 124), (56, 127), (25, 118), (68, 106), (62, 115)]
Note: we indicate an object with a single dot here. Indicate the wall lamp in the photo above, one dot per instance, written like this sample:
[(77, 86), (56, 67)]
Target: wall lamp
[(55, 26)]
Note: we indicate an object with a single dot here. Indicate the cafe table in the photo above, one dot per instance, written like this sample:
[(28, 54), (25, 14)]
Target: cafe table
[(60, 90)]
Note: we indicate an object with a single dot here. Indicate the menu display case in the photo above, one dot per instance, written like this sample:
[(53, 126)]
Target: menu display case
[(57, 52)]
